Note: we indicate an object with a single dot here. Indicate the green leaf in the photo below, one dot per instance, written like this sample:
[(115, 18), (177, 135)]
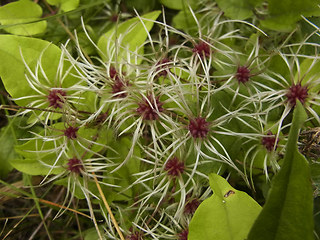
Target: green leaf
[(66, 5), (8, 138), (91, 234), (309, 74), (6, 153), (237, 9), (284, 14), (130, 34), (179, 4), (227, 215), (19, 13), (34, 167), (184, 20), (288, 212)]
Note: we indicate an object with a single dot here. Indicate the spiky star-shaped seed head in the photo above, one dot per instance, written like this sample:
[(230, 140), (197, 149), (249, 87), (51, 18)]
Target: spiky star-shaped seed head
[(113, 73), (75, 165), (243, 74), (198, 127), (150, 108), (174, 167), (297, 92), (269, 141), (71, 132), (202, 48), (56, 98)]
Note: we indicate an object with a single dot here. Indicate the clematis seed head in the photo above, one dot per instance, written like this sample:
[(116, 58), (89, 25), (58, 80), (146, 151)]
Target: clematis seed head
[(297, 92), (269, 141), (198, 127), (202, 49), (174, 167), (56, 98), (150, 108), (75, 165), (243, 74)]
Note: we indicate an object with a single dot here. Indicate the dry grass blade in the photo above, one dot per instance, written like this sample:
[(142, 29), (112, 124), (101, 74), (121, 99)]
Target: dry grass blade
[(105, 202)]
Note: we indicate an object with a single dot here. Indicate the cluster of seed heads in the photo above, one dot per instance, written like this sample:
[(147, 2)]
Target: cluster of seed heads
[(165, 121)]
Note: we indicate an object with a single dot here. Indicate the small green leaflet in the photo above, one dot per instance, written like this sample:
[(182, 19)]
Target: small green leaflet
[(227, 215)]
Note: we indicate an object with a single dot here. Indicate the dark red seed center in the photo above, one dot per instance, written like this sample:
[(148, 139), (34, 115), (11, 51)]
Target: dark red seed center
[(113, 73), (119, 85), (56, 98), (183, 235), (119, 88), (135, 236), (198, 127), (269, 141), (150, 108), (191, 206), (297, 92), (202, 49), (243, 74), (174, 167), (75, 165), (71, 132)]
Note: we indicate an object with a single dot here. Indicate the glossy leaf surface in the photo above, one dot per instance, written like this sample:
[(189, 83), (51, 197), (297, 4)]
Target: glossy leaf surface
[(227, 215), (18, 14)]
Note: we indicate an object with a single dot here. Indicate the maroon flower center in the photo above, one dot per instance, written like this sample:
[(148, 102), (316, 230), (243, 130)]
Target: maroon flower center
[(71, 132), (75, 165), (269, 141), (202, 49), (198, 127), (191, 206), (174, 167), (183, 235), (113, 73), (114, 17), (243, 74), (135, 236), (150, 108), (297, 92), (118, 88), (56, 98)]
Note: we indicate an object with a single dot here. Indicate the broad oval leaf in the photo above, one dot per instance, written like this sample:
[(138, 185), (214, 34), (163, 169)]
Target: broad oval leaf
[(288, 212), (227, 215), (34, 167), (19, 14)]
